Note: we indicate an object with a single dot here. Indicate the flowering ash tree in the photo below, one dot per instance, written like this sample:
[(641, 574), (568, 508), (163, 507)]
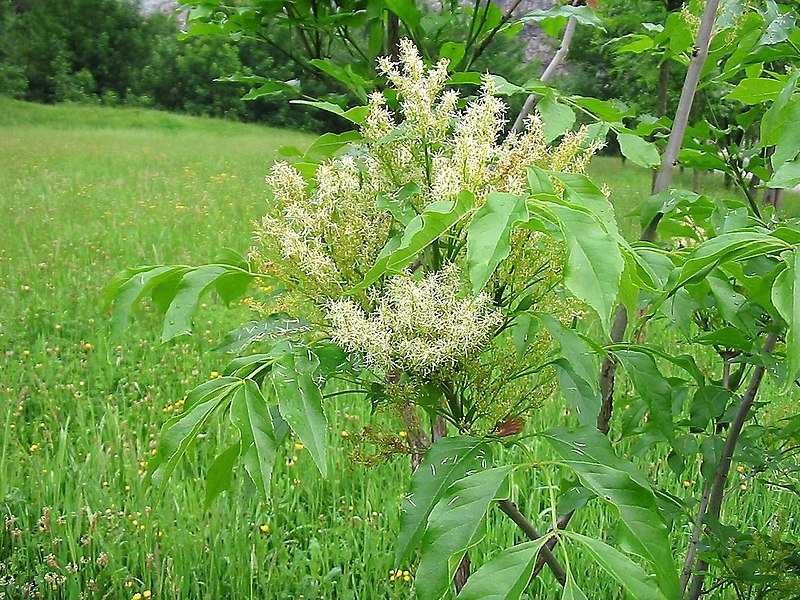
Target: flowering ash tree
[(435, 268)]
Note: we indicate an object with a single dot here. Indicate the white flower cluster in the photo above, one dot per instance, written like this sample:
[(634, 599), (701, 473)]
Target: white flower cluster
[(323, 234), (419, 326), (452, 150), (327, 238)]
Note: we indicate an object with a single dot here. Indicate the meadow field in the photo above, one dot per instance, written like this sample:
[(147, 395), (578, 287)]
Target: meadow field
[(88, 191)]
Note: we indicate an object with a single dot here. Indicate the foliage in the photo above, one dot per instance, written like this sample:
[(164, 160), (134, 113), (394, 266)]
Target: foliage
[(60, 54), (105, 50), (431, 267), (60, 216)]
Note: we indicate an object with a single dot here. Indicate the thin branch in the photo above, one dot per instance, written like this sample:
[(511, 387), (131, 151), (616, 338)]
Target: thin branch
[(417, 438), (723, 468), (491, 35), (698, 529), (555, 63), (546, 555), (561, 524)]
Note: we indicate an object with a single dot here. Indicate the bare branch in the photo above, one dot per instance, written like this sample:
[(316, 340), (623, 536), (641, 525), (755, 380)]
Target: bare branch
[(545, 555)]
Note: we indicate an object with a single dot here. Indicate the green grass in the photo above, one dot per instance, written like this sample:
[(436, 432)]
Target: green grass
[(86, 192)]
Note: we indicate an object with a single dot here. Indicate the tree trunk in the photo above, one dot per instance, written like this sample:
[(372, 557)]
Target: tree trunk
[(661, 106)]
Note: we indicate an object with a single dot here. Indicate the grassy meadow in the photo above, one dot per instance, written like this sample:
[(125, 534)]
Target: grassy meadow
[(88, 191)]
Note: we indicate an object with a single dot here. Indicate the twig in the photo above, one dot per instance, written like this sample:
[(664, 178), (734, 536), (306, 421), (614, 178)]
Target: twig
[(551, 69), (545, 554), (417, 438), (698, 529), (488, 39)]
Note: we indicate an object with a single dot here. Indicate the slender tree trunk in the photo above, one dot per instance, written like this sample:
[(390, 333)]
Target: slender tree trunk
[(393, 35), (551, 70), (754, 181), (661, 106), (723, 468), (462, 573), (608, 369)]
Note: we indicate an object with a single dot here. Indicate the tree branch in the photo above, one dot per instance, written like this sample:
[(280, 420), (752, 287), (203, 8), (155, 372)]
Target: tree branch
[(723, 468), (488, 39), (545, 554), (551, 69)]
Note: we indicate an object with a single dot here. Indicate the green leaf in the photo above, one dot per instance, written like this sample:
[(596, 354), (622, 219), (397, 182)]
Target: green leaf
[(128, 294), (786, 298), (437, 218), (577, 372), (708, 403), (455, 525), (506, 575), (355, 115), (781, 113), (631, 576), (779, 29), (639, 151), (465, 78), (594, 261), (453, 52), (233, 284), (275, 327), (558, 118), (489, 235), (178, 320), (755, 90), (259, 446), (407, 12), (327, 144), (344, 74), (602, 109), (787, 175), (179, 432), (736, 245), (583, 15), (446, 461), (654, 389), (539, 182), (399, 203), (641, 528), (664, 203), (503, 87), (220, 474), (582, 192), (787, 144), (300, 402), (269, 88), (639, 44), (571, 590)]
